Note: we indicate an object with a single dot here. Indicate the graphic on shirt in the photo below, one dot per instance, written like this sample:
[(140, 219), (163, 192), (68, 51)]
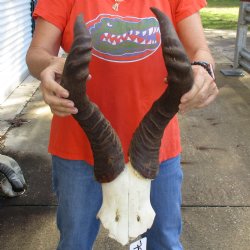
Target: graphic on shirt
[(124, 39)]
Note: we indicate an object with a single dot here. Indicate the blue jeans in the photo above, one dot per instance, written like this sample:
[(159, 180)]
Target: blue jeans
[(80, 198)]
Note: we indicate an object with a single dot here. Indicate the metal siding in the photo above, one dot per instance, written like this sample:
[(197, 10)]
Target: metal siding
[(15, 37)]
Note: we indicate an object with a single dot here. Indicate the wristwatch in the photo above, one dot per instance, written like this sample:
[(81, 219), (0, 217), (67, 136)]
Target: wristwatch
[(207, 66)]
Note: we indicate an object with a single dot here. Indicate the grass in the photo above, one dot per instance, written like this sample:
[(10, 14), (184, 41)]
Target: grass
[(223, 3), (220, 14)]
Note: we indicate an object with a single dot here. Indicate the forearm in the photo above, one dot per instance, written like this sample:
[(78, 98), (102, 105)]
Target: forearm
[(44, 47), (37, 60), (194, 44), (204, 89)]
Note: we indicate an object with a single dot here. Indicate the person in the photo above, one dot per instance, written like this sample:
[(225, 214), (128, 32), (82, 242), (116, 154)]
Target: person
[(127, 74)]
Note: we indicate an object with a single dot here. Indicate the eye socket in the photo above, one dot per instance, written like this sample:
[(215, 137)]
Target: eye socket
[(138, 218)]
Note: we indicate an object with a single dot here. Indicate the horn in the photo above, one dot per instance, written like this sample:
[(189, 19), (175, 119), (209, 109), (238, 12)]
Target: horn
[(106, 146), (146, 141)]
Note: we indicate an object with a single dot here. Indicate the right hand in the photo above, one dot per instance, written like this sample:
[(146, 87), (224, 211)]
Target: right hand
[(53, 93)]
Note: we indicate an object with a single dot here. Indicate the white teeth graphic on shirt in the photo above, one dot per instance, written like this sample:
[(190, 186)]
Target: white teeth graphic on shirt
[(147, 36)]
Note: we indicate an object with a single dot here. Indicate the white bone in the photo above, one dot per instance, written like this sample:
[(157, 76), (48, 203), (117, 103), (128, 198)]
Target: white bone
[(126, 210)]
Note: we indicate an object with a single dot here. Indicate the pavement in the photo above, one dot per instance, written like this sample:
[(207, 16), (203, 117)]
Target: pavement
[(215, 159)]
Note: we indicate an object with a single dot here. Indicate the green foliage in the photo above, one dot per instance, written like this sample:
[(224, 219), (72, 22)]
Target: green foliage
[(220, 14), (223, 3)]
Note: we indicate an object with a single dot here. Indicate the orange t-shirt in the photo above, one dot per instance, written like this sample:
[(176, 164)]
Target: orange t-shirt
[(127, 67)]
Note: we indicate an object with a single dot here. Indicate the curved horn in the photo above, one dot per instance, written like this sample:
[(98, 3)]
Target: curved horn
[(105, 144), (146, 141)]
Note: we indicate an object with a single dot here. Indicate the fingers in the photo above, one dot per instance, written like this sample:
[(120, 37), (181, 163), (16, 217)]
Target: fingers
[(210, 97), (49, 84), (63, 106), (54, 94), (203, 92)]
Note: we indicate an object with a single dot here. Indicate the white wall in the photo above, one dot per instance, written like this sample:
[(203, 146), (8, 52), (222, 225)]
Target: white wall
[(15, 37)]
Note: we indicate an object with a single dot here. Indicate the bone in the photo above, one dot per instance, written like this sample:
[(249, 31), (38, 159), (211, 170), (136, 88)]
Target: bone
[(105, 144), (146, 141)]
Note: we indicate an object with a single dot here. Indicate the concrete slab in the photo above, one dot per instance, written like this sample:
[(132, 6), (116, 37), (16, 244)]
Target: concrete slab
[(222, 43), (103, 242), (28, 228), (218, 228), (16, 102), (216, 150), (27, 144), (207, 228)]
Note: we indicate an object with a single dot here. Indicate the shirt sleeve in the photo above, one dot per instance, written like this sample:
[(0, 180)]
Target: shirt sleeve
[(184, 8), (54, 11)]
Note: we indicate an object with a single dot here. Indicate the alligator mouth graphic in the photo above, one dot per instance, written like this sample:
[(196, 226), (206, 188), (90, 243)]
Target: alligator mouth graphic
[(139, 37), (124, 39)]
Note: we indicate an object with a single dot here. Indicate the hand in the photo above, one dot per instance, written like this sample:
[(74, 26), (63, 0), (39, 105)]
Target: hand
[(53, 93), (202, 93)]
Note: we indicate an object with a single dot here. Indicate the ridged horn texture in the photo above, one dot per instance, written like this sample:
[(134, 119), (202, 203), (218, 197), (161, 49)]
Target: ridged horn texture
[(105, 144), (146, 141)]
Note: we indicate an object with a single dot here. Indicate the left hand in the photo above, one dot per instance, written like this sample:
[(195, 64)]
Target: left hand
[(203, 92)]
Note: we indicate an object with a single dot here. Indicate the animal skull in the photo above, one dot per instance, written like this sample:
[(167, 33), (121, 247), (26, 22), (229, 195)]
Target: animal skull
[(126, 209)]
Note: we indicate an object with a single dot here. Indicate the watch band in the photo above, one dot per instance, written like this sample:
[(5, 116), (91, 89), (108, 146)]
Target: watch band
[(207, 66)]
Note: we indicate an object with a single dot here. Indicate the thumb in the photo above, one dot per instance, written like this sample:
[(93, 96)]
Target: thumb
[(49, 83)]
